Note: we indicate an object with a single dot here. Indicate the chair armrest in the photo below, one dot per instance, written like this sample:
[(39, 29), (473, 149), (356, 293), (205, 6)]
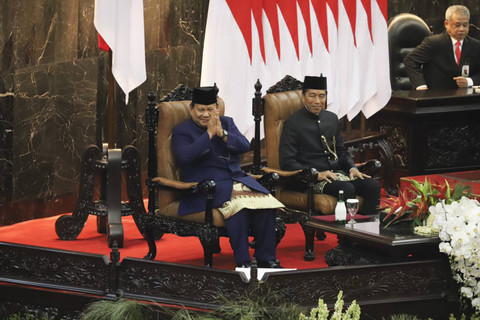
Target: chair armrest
[(281, 173), (306, 175), (160, 182), (205, 187), (370, 167), (268, 180)]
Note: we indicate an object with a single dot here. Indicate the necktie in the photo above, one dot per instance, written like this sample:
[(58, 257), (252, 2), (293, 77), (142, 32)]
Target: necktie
[(458, 53)]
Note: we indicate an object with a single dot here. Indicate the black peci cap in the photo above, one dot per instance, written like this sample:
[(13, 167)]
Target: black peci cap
[(311, 82), (205, 95)]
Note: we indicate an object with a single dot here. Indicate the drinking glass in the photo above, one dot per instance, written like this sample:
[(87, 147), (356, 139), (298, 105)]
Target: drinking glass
[(352, 208)]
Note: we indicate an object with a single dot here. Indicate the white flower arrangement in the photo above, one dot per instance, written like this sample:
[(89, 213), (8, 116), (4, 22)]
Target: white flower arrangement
[(322, 313), (458, 226)]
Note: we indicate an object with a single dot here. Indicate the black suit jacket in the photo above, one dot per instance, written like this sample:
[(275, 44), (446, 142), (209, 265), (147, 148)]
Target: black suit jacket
[(302, 146), (433, 63)]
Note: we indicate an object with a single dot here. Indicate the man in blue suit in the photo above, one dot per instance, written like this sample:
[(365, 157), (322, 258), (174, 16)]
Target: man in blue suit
[(208, 147)]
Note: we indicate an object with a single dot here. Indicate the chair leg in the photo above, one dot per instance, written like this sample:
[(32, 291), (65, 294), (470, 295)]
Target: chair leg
[(320, 235), (151, 225), (309, 239), (209, 245), (217, 249), (102, 224), (280, 229), (134, 191), (152, 246)]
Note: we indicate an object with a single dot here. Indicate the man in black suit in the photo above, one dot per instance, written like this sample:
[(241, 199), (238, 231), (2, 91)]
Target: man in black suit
[(448, 60), (311, 138)]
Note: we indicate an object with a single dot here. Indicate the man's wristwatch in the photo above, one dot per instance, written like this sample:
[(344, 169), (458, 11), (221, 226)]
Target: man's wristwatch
[(225, 133)]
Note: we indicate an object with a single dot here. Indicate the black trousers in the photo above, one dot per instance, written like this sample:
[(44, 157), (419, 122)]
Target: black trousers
[(368, 189)]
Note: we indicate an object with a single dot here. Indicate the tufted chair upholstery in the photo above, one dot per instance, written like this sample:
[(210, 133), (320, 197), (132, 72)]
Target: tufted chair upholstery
[(405, 32)]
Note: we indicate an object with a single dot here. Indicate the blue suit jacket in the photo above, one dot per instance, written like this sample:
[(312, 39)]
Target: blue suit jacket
[(200, 157)]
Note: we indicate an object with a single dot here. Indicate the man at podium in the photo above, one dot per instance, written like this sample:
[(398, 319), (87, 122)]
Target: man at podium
[(448, 60)]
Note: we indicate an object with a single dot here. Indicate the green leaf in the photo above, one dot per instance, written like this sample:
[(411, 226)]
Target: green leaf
[(447, 194), (461, 190)]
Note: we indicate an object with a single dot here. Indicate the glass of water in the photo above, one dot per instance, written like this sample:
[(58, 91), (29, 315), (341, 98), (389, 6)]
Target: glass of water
[(352, 208)]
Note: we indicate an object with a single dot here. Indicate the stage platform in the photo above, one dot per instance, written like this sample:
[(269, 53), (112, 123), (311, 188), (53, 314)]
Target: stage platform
[(63, 281)]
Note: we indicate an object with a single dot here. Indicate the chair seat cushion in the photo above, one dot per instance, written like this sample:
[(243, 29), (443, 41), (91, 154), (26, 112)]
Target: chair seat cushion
[(170, 211), (323, 203)]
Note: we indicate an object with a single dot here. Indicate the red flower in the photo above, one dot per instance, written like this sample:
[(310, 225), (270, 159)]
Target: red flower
[(413, 203)]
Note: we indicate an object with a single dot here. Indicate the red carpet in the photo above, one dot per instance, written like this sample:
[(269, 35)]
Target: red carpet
[(170, 248)]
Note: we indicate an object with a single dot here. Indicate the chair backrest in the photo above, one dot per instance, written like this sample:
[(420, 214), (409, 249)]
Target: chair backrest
[(171, 114), (278, 107), (405, 32)]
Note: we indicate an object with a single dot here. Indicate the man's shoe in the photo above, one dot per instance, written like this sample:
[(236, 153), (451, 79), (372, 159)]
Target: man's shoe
[(269, 264), (247, 264)]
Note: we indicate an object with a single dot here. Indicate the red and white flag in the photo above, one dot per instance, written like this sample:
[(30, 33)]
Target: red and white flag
[(268, 39), (382, 61), (120, 25), (331, 38), (366, 56), (348, 57)]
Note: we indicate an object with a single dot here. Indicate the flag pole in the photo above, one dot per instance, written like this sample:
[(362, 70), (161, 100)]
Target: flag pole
[(111, 105), (113, 174)]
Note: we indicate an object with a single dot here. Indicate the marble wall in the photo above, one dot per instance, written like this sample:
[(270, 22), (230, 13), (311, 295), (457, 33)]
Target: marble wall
[(53, 93), (53, 89)]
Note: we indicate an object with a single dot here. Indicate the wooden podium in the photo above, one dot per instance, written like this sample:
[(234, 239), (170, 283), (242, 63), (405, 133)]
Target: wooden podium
[(432, 131)]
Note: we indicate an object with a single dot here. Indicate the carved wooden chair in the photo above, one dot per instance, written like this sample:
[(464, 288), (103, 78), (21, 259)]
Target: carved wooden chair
[(281, 101), (165, 185)]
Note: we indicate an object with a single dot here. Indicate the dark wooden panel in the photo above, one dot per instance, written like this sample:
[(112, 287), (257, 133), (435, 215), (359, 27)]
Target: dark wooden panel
[(55, 277), (432, 131)]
